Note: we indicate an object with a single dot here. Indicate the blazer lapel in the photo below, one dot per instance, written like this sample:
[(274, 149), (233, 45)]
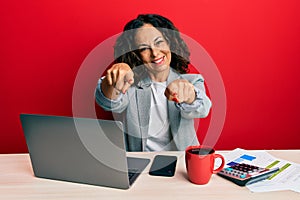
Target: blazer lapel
[(174, 113), (143, 97)]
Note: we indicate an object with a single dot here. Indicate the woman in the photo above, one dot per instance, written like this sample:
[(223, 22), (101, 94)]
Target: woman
[(149, 86)]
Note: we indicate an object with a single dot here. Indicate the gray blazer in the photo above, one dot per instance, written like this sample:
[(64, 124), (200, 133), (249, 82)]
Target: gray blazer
[(135, 104)]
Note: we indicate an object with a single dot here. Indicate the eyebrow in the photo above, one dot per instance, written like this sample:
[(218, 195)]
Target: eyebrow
[(155, 39)]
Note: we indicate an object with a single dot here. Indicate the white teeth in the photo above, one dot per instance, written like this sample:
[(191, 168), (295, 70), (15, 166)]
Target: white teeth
[(158, 61)]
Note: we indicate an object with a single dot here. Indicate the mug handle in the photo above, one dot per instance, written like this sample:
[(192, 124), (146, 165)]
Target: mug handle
[(222, 165)]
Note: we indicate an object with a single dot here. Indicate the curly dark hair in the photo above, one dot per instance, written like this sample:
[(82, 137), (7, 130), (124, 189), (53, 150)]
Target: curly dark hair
[(125, 50)]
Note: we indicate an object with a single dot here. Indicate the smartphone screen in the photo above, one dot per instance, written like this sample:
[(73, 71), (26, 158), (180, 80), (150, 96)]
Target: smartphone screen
[(163, 165)]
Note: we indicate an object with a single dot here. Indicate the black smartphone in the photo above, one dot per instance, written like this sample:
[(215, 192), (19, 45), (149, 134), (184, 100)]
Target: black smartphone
[(163, 165)]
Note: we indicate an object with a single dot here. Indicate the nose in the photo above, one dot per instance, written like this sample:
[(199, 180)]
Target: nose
[(154, 51)]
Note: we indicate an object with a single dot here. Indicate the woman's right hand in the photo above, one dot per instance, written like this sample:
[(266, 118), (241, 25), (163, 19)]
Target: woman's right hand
[(118, 79)]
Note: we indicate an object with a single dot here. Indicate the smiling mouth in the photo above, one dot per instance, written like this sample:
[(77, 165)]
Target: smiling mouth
[(159, 61)]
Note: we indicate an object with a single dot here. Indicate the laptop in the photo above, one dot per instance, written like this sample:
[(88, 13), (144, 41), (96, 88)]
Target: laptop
[(80, 150)]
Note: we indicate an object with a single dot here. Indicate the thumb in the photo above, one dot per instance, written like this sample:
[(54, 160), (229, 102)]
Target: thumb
[(129, 78)]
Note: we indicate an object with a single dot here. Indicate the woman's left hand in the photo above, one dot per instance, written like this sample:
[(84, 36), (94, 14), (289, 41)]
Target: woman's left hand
[(180, 91)]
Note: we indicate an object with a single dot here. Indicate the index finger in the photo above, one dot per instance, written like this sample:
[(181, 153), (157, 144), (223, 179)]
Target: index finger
[(108, 78)]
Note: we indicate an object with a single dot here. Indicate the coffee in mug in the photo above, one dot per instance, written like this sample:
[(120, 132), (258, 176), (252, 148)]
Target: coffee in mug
[(200, 161)]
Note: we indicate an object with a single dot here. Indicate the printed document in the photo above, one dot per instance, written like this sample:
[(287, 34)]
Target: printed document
[(286, 178)]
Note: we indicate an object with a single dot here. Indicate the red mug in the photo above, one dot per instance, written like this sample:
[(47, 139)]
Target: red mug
[(200, 162)]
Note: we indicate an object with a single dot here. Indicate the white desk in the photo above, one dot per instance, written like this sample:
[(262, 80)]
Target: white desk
[(17, 182)]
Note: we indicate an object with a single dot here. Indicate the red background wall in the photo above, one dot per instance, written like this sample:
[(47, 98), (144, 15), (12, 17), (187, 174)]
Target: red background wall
[(255, 45)]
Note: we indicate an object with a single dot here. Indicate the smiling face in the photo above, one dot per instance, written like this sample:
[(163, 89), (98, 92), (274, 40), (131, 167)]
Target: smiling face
[(154, 52)]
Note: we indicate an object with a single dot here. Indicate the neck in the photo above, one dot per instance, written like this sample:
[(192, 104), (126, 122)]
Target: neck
[(159, 77)]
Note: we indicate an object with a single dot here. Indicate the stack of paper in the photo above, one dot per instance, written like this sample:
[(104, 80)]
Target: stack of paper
[(287, 178)]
